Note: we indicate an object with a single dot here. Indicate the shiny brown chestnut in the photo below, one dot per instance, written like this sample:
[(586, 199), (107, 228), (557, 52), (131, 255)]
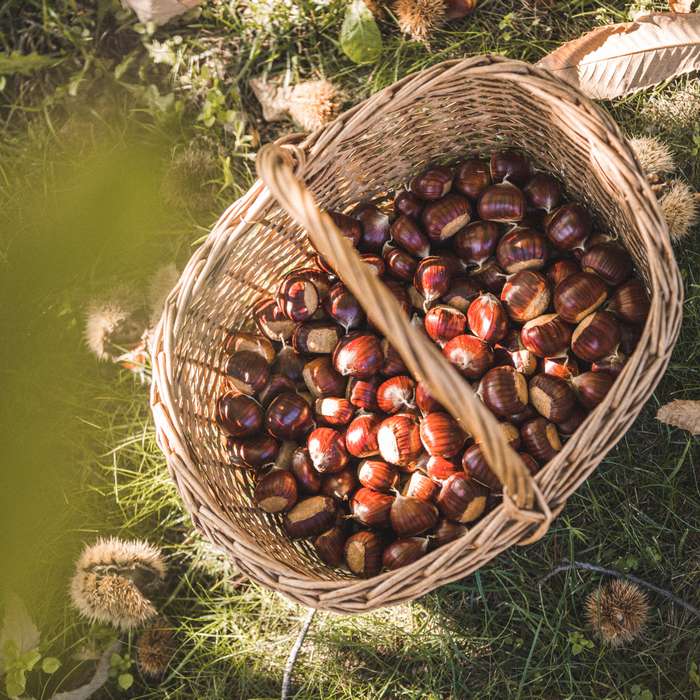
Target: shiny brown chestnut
[(289, 363), (239, 415), (271, 321), (362, 393), (406, 233), (564, 367), (541, 439), (469, 354), (252, 342), (447, 531), (546, 336), (399, 263), (579, 295), (288, 417), (408, 204), (504, 203), (421, 486), (327, 450), (310, 517), (330, 545), (596, 337), (433, 183), (559, 270), (425, 401), (321, 280), (378, 475), (472, 177), (298, 298), (442, 323), (247, 371), (333, 410), (528, 413), (363, 553), (404, 551), (339, 485), (361, 435), (572, 423), (433, 277), (462, 499), (489, 276), (276, 492), (511, 165), (531, 464), (393, 364), (592, 387), (399, 440), (613, 363), (568, 226), (371, 508), (441, 435), (443, 218), (321, 379), (316, 337), (609, 261), (396, 394), (308, 479), (526, 295), (440, 468), (349, 227), (487, 318), (412, 516), (551, 397), (629, 337), (278, 384), (460, 294), (358, 354), (522, 249), (477, 468), (630, 302), (543, 192), (254, 452), (504, 391), (375, 227), (477, 241), (343, 307)]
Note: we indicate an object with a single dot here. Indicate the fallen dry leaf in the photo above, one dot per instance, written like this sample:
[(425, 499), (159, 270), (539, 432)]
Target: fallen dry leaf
[(681, 414)]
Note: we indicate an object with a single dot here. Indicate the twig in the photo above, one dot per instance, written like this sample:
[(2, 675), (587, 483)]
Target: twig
[(291, 660), (568, 565)]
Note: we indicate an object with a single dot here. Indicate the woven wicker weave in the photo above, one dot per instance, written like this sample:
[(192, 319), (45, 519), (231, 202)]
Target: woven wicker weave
[(447, 111)]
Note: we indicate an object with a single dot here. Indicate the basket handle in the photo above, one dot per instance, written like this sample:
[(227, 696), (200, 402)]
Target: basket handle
[(421, 356)]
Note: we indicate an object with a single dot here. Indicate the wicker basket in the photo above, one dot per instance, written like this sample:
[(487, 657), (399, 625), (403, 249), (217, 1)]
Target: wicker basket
[(447, 111)]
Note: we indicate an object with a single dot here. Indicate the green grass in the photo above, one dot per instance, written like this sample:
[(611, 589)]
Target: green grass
[(89, 201)]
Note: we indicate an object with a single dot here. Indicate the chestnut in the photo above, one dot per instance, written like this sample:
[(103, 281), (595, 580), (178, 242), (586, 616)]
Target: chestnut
[(289, 363), (316, 337), (511, 165), (408, 204), (362, 393), (441, 435), (503, 202), (433, 183), (442, 323), (522, 249), (396, 394), (462, 499), (406, 233), (460, 294), (511, 351), (321, 280), (377, 475), (443, 218), (531, 464), (446, 531), (393, 364), (543, 192), (629, 337), (568, 226), (375, 227), (374, 262), (321, 379), (276, 492), (254, 452), (371, 508), (609, 261), (298, 298), (489, 276), (272, 321), (579, 295), (472, 177), (310, 517), (487, 318), (572, 423), (308, 479), (285, 454), (592, 387), (597, 336), (425, 401), (541, 439), (358, 354), (630, 302), (528, 413), (476, 242), (440, 468), (288, 417), (526, 295), (339, 485), (433, 277), (238, 414), (504, 391), (399, 440), (404, 551), (477, 468), (247, 371), (469, 354), (412, 516), (344, 308), (363, 553), (613, 363), (551, 397), (349, 227), (327, 450), (559, 270), (330, 545), (421, 486), (361, 435), (546, 336), (252, 342), (277, 385), (399, 263), (333, 410), (564, 367)]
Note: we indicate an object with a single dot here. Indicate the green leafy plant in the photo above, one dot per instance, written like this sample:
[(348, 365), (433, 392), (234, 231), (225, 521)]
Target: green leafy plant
[(579, 643), (360, 37), (637, 692), (120, 668)]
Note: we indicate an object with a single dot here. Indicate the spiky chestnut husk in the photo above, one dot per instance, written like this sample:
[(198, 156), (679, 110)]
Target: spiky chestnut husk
[(681, 209), (113, 327), (314, 103), (617, 611), (155, 647), (653, 155)]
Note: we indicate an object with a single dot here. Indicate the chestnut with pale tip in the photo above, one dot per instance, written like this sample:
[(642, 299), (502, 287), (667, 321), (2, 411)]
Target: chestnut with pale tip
[(399, 440), (487, 318), (432, 183), (399, 263), (333, 410), (568, 226), (440, 468), (630, 302), (441, 435), (511, 165), (592, 387), (477, 241), (596, 337), (340, 485), (371, 508), (247, 371), (375, 227), (344, 308), (412, 516), (363, 553), (254, 452), (559, 270), (477, 468), (316, 337), (609, 261), (252, 342), (472, 177), (503, 203), (358, 355), (579, 295), (271, 321), (407, 234), (361, 435), (551, 397), (238, 415), (330, 545), (442, 219), (543, 192), (362, 393), (546, 336), (462, 499), (288, 417), (433, 278), (327, 450), (349, 227), (408, 204), (276, 492), (469, 354), (442, 323), (377, 474), (421, 486), (404, 551), (504, 391), (308, 479), (310, 517), (447, 531), (321, 379), (526, 295), (520, 249), (298, 298), (460, 294), (396, 394), (541, 439)]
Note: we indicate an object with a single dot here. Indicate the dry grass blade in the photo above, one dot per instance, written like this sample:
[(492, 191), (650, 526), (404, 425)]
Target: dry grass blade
[(619, 59)]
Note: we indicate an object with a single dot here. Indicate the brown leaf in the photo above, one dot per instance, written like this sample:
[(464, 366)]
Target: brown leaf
[(681, 414), (618, 59), (681, 6)]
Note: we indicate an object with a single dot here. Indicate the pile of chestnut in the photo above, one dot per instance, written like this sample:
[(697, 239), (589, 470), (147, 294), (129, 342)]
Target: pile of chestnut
[(532, 305)]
